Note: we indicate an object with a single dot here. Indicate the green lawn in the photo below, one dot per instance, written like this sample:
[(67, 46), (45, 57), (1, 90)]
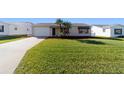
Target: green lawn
[(10, 38), (74, 56)]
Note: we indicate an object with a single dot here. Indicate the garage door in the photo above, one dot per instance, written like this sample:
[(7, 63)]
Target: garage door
[(41, 31)]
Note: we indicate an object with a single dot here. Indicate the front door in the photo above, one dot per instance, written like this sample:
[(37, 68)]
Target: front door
[(53, 31)]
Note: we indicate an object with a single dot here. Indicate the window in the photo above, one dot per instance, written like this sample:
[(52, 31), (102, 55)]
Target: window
[(118, 31), (1, 28), (16, 28), (27, 29), (83, 30), (103, 29)]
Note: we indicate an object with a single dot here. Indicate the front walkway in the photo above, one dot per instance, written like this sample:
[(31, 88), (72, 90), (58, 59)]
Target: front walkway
[(11, 53)]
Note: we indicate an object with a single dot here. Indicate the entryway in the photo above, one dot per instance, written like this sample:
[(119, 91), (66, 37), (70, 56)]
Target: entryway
[(53, 31)]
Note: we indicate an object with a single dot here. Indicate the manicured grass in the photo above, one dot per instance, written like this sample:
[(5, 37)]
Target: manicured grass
[(10, 38), (74, 56)]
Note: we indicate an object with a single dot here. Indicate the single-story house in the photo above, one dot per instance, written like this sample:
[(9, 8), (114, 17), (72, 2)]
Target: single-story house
[(15, 28), (51, 29), (108, 30)]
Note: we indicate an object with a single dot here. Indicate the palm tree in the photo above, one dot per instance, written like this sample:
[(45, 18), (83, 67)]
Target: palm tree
[(67, 26), (59, 22)]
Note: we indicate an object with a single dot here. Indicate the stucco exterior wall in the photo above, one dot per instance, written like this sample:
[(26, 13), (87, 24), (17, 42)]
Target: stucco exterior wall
[(74, 32), (98, 31)]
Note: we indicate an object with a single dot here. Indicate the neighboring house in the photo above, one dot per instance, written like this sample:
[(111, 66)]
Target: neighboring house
[(51, 29), (15, 28), (108, 30), (102, 31)]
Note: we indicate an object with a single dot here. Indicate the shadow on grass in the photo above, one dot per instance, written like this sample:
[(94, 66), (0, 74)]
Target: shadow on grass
[(11, 37), (118, 39), (83, 37), (92, 42)]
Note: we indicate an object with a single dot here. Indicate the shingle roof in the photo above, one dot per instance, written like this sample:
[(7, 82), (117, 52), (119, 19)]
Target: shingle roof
[(80, 24), (117, 25), (109, 26), (103, 26), (4, 22), (18, 22), (53, 24), (44, 24)]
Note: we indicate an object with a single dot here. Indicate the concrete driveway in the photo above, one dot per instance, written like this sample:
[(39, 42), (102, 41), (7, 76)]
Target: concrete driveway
[(11, 53)]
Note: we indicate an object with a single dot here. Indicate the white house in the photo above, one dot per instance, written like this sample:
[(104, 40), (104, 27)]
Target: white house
[(117, 30), (108, 30), (51, 29), (101, 31), (15, 28)]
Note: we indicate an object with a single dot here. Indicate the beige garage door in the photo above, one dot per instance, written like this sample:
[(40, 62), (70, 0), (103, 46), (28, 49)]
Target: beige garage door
[(41, 31)]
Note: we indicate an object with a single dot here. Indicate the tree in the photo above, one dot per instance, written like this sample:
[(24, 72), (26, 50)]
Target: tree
[(67, 26), (59, 22), (63, 26)]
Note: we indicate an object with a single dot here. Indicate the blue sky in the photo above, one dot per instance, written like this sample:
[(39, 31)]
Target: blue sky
[(73, 20)]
